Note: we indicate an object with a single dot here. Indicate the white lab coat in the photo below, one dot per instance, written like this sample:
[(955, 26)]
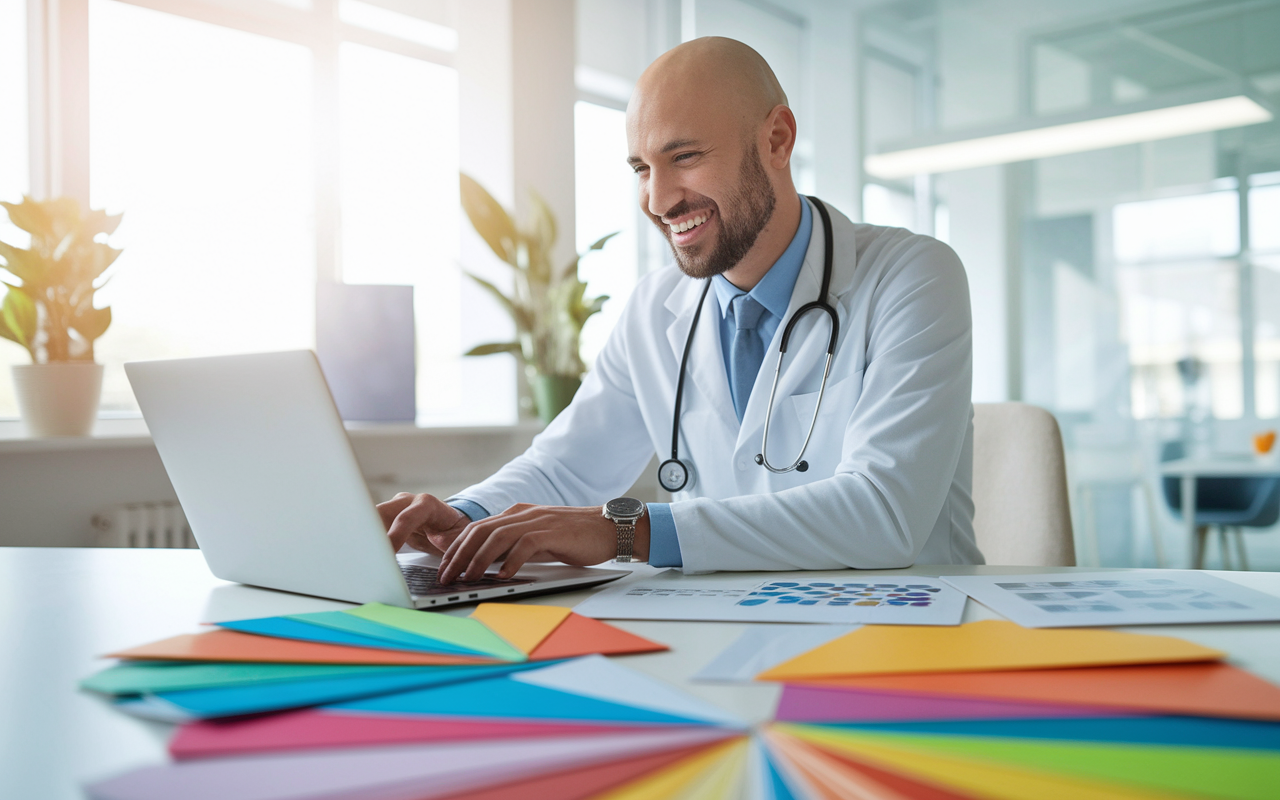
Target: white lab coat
[(891, 460)]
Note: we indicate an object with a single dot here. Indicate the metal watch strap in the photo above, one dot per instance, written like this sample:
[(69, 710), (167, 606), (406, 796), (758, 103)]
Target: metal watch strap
[(626, 541)]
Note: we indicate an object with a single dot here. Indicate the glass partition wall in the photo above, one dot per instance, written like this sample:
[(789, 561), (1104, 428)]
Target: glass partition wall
[(1133, 290)]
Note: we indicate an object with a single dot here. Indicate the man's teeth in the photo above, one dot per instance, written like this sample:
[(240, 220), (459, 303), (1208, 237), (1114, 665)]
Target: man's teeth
[(693, 223)]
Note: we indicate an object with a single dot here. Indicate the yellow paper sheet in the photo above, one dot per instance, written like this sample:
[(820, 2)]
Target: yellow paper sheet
[(981, 646), (672, 782), (523, 627), (982, 779)]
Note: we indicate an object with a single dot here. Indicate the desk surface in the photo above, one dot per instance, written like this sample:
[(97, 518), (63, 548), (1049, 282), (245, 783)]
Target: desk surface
[(59, 608)]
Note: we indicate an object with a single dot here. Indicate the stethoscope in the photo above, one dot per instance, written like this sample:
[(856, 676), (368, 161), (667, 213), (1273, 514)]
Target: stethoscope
[(674, 474)]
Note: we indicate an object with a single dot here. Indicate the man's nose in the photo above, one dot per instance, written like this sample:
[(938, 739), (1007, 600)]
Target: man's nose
[(664, 193)]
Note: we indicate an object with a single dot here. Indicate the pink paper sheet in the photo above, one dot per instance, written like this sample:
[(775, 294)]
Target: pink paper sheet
[(816, 704), (312, 729), (415, 772)]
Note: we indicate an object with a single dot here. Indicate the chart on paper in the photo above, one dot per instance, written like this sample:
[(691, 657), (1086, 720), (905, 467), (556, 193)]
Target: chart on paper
[(819, 598), (1140, 597)]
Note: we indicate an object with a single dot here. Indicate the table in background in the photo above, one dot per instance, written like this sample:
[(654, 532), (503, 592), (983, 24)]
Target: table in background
[(1192, 469), (61, 607)]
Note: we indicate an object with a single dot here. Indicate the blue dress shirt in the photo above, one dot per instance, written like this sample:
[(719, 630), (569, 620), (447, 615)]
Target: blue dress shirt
[(774, 293)]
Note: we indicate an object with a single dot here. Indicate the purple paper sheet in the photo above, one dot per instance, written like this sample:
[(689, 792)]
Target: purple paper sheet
[(387, 773), (819, 704)]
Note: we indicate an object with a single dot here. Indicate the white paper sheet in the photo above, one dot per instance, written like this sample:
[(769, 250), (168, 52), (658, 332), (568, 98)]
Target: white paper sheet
[(762, 647), (602, 679), (825, 597), (1137, 597)]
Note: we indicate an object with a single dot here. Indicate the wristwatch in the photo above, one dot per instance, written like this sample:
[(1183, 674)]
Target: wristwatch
[(624, 511)]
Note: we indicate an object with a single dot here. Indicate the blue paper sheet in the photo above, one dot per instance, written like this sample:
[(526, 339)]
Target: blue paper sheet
[(1193, 731), (289, 628), (240, 700), (508, 699), (350, 623)]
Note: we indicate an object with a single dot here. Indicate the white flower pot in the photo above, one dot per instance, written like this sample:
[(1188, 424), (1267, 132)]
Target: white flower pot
[(58, 399)]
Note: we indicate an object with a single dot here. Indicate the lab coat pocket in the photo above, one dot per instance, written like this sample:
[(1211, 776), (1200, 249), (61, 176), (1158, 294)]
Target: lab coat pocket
[(839, 400)]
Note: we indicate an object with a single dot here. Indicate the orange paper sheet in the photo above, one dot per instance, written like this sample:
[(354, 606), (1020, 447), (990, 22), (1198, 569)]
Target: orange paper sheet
[(581, 636), (841, 778), (228, 645), (981, 646), (524, 627), (1213, 690)]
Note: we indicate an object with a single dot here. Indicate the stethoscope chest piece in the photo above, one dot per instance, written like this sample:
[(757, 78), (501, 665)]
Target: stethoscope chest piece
[(674, 475)]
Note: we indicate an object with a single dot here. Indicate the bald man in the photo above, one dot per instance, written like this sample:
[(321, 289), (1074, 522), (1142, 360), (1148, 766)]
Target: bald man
[(884, 480)]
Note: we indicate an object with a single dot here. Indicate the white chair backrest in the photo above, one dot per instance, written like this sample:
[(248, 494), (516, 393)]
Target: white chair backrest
[(1022, 514)]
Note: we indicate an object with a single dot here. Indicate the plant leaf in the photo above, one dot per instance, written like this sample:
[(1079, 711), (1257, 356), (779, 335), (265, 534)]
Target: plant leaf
[(493, 349), (92, 323), (18, 315), (98, 221), (26, 265), (544, 221), (599, 243), (522, 318), (490, 220), (28, 215)]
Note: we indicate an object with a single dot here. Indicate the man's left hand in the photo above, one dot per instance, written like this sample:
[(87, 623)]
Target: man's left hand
[(524, 533)]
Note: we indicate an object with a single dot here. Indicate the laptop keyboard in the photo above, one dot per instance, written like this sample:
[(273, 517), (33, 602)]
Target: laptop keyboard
[(422, 581)]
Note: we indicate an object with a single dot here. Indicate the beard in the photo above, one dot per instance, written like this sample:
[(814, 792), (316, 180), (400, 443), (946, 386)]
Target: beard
[(753, 201)]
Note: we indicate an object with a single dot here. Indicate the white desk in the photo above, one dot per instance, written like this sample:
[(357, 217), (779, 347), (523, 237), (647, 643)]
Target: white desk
[(60, 607), (1192, 469)]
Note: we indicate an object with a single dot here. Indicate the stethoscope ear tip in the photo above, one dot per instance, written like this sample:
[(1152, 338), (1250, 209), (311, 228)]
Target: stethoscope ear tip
[(803, 466), (760, 458)]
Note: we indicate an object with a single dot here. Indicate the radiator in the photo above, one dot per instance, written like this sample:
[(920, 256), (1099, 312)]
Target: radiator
[(143, 525)]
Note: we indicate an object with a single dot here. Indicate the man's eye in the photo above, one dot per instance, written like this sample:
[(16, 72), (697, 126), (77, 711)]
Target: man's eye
[(639, 168), (684, 156)]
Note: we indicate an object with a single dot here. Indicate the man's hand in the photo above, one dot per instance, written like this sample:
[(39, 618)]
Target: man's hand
[(524, 533), (425, 522)]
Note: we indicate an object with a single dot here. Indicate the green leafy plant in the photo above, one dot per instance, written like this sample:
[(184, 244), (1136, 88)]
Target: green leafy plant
[(49, 310), (549, 305)]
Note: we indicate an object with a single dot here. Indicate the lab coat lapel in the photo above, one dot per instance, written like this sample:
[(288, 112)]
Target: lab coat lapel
[(705, 371)]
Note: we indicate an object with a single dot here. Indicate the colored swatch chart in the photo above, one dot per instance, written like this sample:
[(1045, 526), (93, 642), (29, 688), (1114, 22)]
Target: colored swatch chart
[(830, 599), (836, 595)]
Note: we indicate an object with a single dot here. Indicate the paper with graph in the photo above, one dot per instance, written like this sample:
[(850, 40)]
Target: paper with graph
[(1133, 597)]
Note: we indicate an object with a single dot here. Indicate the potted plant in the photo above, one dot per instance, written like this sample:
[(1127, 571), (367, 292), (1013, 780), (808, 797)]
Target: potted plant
[(548, 305), (48, 310)]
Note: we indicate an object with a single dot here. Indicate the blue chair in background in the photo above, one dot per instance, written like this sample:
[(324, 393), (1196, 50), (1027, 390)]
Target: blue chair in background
[(1227, 504)]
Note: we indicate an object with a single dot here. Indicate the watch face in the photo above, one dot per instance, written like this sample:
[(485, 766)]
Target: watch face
[(673, 475), (624, 507)]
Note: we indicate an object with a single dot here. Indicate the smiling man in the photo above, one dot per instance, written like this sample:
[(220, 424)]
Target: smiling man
[(853, 448)]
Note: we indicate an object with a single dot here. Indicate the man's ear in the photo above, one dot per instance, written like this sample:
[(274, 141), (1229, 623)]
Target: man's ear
[(780, 126)]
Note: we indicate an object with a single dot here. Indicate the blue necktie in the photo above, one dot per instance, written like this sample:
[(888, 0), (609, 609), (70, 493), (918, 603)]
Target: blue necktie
[(748, 350)]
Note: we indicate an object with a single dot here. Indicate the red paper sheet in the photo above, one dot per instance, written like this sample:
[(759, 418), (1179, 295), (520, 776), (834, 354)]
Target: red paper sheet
[(315, 729), (1214, 690), (582, 636), (228, 645)]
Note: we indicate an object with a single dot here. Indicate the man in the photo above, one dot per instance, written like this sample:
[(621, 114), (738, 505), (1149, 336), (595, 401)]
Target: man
[(888, 470)]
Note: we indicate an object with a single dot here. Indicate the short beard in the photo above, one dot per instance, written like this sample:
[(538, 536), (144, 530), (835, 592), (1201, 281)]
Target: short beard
[(753, 200)]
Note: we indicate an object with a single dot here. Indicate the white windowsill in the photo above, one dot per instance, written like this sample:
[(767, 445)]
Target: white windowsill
[(130, 432)]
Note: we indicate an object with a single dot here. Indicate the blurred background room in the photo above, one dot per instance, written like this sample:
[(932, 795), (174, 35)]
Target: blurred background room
[(1108, 171)]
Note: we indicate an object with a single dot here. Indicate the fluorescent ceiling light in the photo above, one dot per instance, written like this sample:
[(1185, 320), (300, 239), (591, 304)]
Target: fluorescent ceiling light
[(1070, 137)]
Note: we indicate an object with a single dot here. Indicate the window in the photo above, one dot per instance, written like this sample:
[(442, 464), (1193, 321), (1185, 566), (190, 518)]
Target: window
[(224, 129), (210, 161), (607, 202)]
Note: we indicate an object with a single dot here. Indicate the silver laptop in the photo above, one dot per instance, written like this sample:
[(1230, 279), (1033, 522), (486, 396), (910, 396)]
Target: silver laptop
[(257, 453)]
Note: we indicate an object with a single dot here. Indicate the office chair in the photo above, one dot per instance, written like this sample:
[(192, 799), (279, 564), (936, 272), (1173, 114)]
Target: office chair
[(1021, 513)]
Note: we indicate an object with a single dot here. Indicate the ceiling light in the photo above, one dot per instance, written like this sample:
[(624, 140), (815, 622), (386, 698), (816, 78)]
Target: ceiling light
[(1069, 137)]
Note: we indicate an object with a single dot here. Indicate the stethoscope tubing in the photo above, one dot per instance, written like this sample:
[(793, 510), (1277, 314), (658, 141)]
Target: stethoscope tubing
[(820, 304)]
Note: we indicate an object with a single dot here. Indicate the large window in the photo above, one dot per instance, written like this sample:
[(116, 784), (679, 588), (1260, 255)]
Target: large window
[(255, 148), (13, 157), (210, 160)]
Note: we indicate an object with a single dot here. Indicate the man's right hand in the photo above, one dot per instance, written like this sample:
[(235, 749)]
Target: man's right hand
[(422, 521)]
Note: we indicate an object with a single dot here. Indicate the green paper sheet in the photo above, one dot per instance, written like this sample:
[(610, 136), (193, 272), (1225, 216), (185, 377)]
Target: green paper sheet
[(128, 678), (460, 631), (1213, 772), (349, 623)]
